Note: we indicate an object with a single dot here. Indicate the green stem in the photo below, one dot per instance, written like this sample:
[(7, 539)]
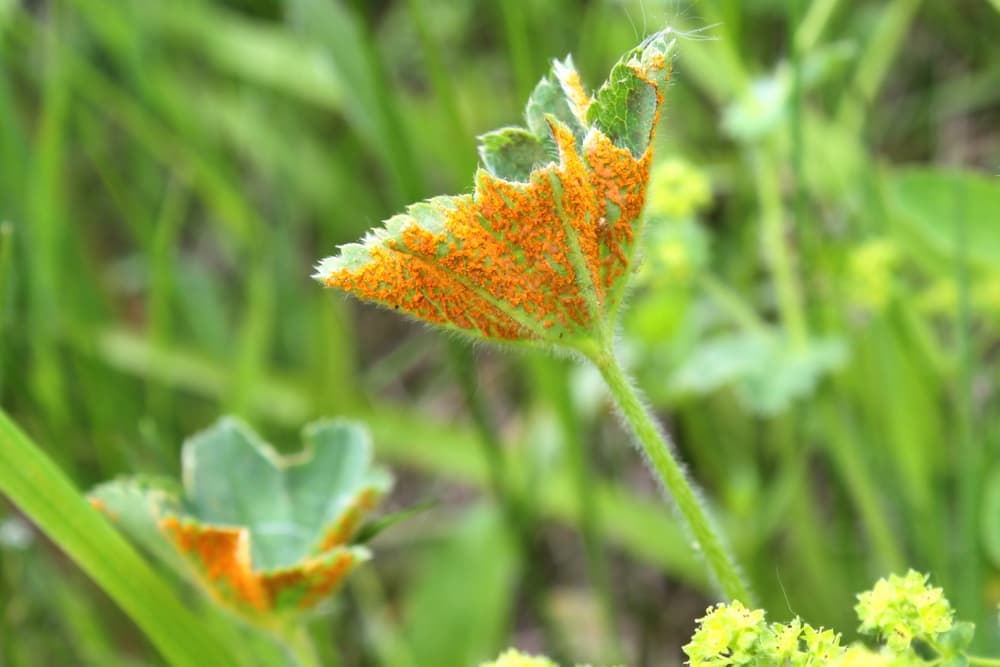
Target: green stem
[(846, 451), (873, 65), (970, 450), (812, 25), (984, 661), (779, 257), (655, 445)]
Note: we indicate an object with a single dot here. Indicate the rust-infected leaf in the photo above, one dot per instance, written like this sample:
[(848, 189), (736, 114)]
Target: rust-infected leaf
[(265, 535), (541, 251)]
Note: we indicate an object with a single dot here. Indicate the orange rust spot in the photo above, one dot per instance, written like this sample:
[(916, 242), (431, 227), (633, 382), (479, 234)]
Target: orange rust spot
[(324, 578), (316, 577), (576, 93), (345, 528), (223, 555), (102, 507)]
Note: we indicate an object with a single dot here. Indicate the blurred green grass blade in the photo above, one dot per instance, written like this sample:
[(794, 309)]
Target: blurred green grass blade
[(516, 33), (873, 66), (374, 109), (441, 627), (810, 29), (42, 229), (463, 150), (970, 450), (30, 479), (254, 338), (224, 197), (847, 451), (6, 292), (553, 380), (81, 620), (13, 149), (260, 53)]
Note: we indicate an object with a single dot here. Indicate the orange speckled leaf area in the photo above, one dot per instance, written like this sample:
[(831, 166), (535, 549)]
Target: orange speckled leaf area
[(221, 556), (541, 253)]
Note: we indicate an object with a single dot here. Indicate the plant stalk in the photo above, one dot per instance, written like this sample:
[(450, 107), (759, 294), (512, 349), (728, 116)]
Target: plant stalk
[(658, 451)]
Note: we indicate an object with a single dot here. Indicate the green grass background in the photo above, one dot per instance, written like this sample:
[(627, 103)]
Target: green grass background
[(822, 336)]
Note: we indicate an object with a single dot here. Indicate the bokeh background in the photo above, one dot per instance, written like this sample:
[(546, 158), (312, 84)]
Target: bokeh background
[(817, 318)]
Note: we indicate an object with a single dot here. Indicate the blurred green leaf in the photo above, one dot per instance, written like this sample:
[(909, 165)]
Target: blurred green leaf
[(265, 533), (957, 640), (765, 369), (928, 204)]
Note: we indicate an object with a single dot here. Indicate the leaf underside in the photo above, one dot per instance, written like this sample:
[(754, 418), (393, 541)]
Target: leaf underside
[(542, 249)]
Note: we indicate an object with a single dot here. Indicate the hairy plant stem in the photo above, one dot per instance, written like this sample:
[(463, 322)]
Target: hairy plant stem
[(658, 451)]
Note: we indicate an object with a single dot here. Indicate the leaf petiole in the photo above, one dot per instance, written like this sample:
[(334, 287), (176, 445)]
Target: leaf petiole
[(655, 445)]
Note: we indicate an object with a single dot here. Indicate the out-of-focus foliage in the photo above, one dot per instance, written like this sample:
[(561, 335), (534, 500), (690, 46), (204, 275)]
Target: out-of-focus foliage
[(816, 316), (269, 537)]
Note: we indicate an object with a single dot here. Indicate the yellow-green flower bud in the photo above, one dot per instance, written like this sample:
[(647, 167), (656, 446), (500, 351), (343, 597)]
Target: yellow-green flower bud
[(902, 609)]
